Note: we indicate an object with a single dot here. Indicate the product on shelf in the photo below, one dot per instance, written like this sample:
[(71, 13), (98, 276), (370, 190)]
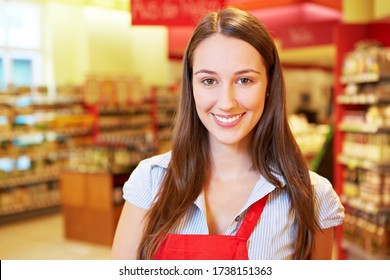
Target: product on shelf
[(365, 150), (367, 63), (38, 133), (112, 91), (373, 148), (374, 116), (367, 234), (107, 159)]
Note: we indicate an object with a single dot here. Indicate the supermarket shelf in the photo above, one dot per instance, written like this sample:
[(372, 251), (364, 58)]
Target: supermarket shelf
[(364, 205), (46, 155), (363, 128), (358, 253), (362, 163), (28, 180), (38, 138), (361, 106), (60, 132), (39, 100), (361, 78), (13, 216), (362, 99), (131, 109)]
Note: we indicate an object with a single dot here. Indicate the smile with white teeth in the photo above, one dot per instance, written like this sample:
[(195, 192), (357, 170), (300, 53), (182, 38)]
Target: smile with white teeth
[(227, 120)]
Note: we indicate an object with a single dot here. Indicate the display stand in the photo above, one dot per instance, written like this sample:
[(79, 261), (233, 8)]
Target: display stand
[(91, 204), (91, 189)]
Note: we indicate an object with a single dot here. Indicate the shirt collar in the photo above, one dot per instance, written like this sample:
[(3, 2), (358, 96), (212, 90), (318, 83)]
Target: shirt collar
[(262, 187), (164, 159)]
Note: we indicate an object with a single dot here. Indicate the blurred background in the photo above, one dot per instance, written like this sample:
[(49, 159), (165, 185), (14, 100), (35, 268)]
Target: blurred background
[(88, 88)]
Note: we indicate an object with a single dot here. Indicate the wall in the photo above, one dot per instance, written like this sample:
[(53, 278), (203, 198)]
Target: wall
[(381, 9), (83, 40), (65, 44), (364, 11)]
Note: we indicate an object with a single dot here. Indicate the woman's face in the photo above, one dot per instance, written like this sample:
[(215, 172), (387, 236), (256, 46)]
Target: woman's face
[(229, 85)]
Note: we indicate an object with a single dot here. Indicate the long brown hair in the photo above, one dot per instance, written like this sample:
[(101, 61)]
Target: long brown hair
[(273, 147)]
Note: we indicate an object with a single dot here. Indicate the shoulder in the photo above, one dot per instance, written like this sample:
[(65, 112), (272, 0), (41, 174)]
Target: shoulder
[(318, 180), (323, 189), (157, 161), (144, 182), (330, 211), (152, 168), (321, 185)]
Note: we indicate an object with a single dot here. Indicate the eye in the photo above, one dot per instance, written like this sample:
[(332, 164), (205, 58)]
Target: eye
[(244, 81), (209, 82)]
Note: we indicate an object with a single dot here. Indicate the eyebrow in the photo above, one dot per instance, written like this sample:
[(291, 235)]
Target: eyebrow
[(204, 71)]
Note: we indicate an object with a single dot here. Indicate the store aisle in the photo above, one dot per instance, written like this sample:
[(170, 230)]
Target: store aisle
[(43, 239)]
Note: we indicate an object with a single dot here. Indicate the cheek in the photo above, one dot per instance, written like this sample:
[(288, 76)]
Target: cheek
[(203, 101), (254, 104)]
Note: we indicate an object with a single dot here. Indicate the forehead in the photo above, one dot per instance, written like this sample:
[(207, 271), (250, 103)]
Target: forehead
[(220, 51)]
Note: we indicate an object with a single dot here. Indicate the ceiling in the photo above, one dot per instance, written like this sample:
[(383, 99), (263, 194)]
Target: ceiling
[(276, 15), (279, 14)]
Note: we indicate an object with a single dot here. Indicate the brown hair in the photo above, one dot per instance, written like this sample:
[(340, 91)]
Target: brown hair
[(273, 147)]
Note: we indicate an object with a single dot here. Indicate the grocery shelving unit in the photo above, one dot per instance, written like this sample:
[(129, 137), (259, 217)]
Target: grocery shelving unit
[(164, 103), (123, 135), (361, 147), (123, 130), (38, 133)]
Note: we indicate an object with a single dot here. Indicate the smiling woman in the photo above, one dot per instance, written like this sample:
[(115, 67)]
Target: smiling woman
[(229, 93), (235, 185)]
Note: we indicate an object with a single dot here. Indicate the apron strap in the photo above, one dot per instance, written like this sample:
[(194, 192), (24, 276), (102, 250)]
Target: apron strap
[(251, 218)]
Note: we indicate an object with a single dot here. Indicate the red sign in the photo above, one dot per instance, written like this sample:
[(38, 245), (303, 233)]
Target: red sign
[(309, 34), (171, 12), (178, 38)]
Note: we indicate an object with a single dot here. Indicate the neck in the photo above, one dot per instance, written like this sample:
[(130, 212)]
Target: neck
[(230, 161)]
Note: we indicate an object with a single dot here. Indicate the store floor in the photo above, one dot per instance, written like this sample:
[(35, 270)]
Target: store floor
[(43, 239)]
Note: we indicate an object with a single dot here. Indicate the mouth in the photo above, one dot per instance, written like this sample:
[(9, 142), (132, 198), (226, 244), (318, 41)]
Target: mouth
[(228, 120)]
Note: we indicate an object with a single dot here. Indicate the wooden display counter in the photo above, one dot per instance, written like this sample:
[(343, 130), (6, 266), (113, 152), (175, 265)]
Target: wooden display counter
[(91, 203)]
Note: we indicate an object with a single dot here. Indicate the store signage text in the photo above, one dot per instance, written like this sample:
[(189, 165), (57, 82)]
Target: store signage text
[(303, 35), (171, 12)]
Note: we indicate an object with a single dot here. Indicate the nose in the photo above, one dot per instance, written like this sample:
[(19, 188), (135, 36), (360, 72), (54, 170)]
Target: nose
[(227, 98)]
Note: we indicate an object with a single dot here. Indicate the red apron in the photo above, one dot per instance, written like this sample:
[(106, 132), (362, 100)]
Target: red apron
[(212, 246)]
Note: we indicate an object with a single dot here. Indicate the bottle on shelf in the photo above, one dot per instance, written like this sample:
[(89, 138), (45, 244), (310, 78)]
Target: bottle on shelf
[(365, 151)]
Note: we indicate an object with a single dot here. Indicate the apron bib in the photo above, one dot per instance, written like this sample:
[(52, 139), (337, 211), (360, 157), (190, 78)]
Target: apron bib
[(212, 246)]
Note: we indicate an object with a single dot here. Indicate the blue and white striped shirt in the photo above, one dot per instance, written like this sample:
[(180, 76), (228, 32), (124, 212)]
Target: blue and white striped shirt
[(274, 235)]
